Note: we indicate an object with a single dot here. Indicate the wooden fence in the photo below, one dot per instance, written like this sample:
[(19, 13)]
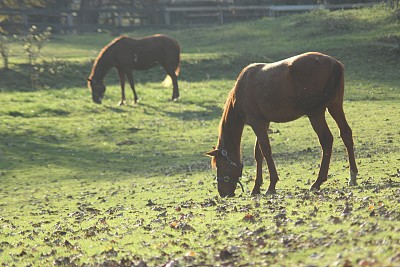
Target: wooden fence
[(72, 20)]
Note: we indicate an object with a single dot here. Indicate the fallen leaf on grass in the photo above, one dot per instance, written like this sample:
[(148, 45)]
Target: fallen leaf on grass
[(299, 222), (395, 258), (110, 252), (174, 224), (335, 220), (347, 209), (172, 263), (181, 225), (126, 143), (347, 263), (21, 254), (225, 255), (150, 203), (190, 253), (366, 263), (280, 216), (63, 261), (208, 203), (249, 218)]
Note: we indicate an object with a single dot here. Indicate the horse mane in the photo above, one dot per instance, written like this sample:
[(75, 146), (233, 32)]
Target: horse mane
[(229, 107), (102, 52), (231, 99)]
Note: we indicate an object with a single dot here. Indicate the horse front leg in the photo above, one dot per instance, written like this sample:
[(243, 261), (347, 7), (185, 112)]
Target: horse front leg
[(265, 147), (325, 137), (259, 160), (130, 79), (121, 75)]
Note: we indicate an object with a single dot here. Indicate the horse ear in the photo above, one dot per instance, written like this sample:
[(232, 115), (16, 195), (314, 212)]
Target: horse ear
[(213, 153)]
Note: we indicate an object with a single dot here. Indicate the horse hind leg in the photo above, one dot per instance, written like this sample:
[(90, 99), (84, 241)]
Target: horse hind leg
[(175, 92), (174, 78), (172, 69), (346, 134), (325, 137)]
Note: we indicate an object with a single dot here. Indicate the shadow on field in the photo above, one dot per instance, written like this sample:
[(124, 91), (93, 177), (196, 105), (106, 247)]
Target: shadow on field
[(15, 80), (209, 111), (50, 75), (20, 152), (65, 74)]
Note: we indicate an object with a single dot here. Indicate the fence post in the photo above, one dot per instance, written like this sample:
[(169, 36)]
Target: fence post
[(25, 19), (167, 18), (119, 20), (70, 20)]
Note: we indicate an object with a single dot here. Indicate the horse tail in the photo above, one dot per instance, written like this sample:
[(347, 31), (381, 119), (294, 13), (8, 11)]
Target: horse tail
[(168, 81), (178, 68), (322, 99)]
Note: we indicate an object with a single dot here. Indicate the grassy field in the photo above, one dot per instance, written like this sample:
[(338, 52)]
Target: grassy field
[(101, 185)]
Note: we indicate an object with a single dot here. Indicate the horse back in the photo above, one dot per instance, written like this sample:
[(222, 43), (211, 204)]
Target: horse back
[(146, 52), (286, 90)]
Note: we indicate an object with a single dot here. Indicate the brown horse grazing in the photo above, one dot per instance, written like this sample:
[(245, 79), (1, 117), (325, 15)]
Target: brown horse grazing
[(127, 54), (306, 84)]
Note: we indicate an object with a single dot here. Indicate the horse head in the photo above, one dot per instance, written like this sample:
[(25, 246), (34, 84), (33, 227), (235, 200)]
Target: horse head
[(228, 172), (98, 88)]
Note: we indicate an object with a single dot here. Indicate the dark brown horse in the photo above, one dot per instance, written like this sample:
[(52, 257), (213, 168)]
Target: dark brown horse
[(127, 54), (306, 84)]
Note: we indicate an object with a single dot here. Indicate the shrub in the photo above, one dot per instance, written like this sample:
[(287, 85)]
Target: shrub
[(33, 44)]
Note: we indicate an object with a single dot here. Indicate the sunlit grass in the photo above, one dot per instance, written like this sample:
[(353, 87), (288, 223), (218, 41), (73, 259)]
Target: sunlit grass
[(85, 184)]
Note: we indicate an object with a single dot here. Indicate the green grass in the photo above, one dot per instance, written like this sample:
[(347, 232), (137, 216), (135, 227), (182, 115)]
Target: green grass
[(101, 185)]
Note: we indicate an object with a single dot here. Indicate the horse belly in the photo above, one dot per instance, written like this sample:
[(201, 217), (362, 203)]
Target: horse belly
[(145, 65), (275, 99), (278, 110)]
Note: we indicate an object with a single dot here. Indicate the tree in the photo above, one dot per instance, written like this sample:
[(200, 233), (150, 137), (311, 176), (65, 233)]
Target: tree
[(5, 50), (89, 14)]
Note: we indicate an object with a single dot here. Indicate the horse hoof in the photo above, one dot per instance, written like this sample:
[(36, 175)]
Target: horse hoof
[(353, 178), (352, 183), (270, 192), (121, 103), (314, 188), (255, 192)]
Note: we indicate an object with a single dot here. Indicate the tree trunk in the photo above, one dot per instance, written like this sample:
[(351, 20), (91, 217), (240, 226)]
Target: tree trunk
[(88, 15), (5, 60)]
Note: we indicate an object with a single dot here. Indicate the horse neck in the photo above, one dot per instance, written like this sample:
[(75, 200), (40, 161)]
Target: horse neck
[(101, 67), (231, 130)]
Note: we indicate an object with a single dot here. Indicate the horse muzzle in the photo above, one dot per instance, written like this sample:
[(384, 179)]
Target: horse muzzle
[(224, 194), (226, 189), (97, 100)]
